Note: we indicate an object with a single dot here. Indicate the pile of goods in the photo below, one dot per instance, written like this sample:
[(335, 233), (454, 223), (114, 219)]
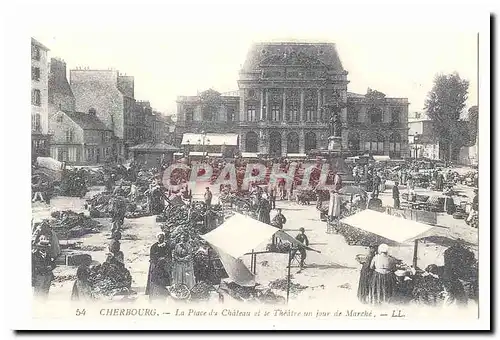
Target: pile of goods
[(358, 237), (68, 224), (428, 290), (279, 247), (73, 183), (281, 284), (181, 219), (250, 294), (109, 279), (201, 291), (179, 292), (99, 205)]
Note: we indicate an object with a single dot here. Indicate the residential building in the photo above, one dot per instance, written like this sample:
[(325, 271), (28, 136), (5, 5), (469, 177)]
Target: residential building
[(40, 138), (422, 142), (208, 112), (282, 106), (60, 94), (80, 138), (111, 95)]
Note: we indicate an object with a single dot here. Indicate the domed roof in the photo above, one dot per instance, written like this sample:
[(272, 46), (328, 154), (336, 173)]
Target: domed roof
[(293, 54)]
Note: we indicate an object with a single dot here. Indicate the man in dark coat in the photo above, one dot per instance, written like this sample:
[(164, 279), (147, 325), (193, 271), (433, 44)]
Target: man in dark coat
[(278, 221), (395, 195), (208, 197), (264, 211), (302, 238)]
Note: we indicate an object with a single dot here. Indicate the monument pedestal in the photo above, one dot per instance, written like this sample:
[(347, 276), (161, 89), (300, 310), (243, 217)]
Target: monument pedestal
[(335, 144)]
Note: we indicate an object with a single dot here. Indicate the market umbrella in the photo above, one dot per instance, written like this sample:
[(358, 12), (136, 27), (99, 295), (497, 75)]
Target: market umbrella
[(352, 190)]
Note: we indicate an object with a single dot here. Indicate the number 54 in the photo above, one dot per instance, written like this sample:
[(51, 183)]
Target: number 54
[(80, 312)]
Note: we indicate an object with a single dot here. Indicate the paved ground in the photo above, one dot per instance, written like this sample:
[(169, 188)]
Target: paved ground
[(331, 275)]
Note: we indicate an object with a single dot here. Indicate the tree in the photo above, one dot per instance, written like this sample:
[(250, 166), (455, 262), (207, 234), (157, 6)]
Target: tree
[(473, 121), (444, 105)]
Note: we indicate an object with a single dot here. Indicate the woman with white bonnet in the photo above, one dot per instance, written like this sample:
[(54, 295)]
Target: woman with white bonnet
[(383, 280)]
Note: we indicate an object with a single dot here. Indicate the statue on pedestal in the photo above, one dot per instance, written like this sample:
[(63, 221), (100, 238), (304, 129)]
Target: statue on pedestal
[(335, 125)]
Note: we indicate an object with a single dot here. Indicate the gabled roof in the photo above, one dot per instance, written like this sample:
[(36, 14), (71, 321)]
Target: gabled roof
[(87, 121)]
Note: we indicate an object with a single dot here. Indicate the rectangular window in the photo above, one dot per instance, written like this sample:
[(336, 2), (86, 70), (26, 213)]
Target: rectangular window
[(251, 113), (35, 73), (293, 114), (275, 113), (36, 97), (70, 135), (310, 114), (189, 115), (36, 124)]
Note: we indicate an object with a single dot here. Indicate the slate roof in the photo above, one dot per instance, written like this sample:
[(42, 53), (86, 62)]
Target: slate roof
[(154, 147), (316, 53), (87, 121)]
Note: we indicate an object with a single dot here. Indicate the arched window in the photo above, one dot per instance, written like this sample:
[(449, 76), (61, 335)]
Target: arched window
[(375, 114), (275, 144), (376, 144), (395, 145), (310, 141), (353, 141), (208, 115), (252, 142), (292, 143)]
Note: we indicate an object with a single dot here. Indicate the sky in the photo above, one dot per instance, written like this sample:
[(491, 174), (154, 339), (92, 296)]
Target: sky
[(176, 51)]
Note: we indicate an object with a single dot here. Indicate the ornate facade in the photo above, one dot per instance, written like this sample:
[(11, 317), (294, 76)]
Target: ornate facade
[(286, 92)]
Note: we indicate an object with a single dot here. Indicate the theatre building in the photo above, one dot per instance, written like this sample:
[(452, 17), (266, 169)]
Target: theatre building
[(281, 107)]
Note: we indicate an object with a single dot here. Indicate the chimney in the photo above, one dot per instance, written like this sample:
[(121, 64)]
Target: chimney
[(92, 111)]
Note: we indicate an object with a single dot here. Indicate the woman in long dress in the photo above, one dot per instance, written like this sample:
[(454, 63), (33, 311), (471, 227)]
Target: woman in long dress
[(81, 288), (383, 279), (365, 276), (183, 271), (160, 279), (158, 250)]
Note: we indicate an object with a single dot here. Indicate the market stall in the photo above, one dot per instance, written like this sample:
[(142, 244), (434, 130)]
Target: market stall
[(396, 230), (239, 235)]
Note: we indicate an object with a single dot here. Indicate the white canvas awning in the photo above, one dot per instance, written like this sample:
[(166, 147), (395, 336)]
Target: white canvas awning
[(197, 153), (218, 139), (178, 154), (239, 235), (249, 155), (381, 158), (390, 227), (215, 154), (296, 155)]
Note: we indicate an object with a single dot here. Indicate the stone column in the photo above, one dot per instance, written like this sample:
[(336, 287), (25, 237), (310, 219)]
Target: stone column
[(261, 104), (319, 105), (283, 111), (302, 97), (284, 140), (302, 141), (242, 106), (267, 105)]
